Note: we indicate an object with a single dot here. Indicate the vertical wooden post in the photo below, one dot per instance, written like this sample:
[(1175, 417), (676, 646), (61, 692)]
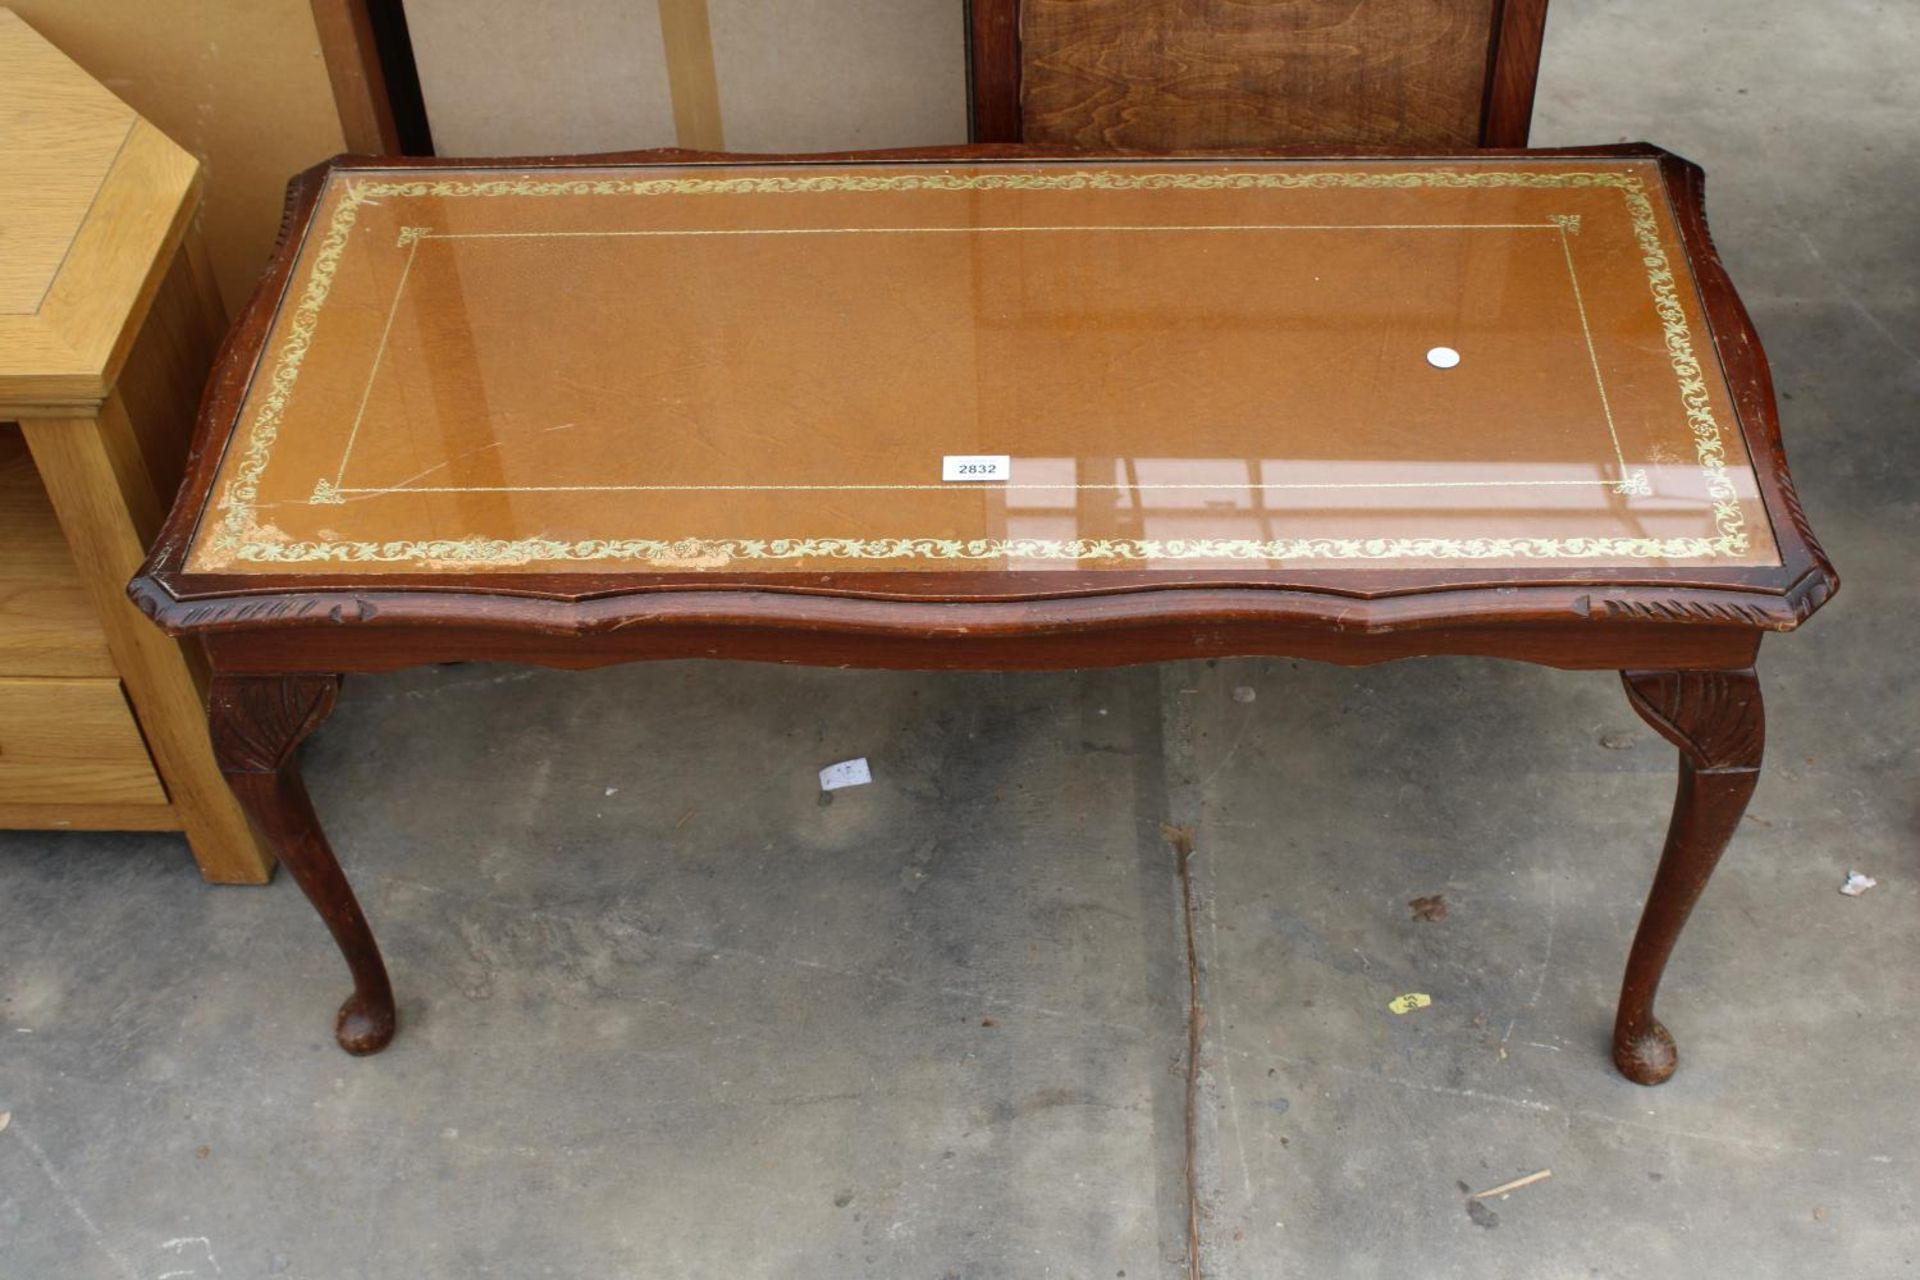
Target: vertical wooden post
[(688, 38), (360, 95), (104, 497), (993, 65), (1513, 68)]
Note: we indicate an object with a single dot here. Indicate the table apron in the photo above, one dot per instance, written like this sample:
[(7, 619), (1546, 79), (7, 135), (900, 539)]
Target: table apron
[(1590, 646)]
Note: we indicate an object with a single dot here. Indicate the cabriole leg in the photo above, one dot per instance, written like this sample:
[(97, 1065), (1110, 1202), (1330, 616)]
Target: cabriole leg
[(1716, 719), (257, 721)]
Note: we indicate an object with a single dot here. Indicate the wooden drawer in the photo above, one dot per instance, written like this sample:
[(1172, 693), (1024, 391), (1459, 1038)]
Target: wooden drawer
[(72, 742)]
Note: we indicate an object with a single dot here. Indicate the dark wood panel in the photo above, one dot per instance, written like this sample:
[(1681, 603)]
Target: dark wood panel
[(1158, 74)]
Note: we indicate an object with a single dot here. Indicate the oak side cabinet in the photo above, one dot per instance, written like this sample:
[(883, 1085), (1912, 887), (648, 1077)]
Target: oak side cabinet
[(108, 324)]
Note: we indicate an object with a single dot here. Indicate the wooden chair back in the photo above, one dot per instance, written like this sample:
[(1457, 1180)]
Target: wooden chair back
[(1199, 74)]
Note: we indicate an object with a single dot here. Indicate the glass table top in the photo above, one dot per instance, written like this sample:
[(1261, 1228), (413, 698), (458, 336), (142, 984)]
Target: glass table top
[(1089, 365)]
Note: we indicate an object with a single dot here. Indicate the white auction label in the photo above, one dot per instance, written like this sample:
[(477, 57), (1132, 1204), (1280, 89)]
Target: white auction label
[(848, 773), (976, 466)]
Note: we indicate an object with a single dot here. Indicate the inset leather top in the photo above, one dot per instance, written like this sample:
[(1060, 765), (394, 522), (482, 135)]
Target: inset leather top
[(1306, 364)]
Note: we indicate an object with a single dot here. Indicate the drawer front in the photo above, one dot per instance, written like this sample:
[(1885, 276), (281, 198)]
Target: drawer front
[(72, 742)]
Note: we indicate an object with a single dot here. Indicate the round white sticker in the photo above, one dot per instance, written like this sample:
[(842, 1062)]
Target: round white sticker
[(1443, 357)]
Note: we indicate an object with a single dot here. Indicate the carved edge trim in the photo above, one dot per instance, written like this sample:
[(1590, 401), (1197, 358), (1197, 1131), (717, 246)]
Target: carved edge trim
[(257, 721), (1749, 374), (1797, 515), (1698, 612), (1812, 590), (178, 617), (1716, 718), (290, 206)]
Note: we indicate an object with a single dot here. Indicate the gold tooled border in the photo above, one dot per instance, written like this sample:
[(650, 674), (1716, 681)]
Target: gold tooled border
[(236, 527)]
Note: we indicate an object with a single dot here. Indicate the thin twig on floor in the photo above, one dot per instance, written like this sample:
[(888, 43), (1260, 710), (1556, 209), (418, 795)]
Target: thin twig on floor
[(1181, 838), (1515, 1185)]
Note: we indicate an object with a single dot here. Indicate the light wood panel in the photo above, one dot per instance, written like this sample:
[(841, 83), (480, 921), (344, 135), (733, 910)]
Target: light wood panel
[(166, 371), (74, 740), (88, 817), (59, 133), (239, 84), (68, 349), (47, 623), (94, 307)]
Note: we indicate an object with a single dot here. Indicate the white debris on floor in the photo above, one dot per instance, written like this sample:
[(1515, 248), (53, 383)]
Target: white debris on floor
[(1857, 884), (848, 773)]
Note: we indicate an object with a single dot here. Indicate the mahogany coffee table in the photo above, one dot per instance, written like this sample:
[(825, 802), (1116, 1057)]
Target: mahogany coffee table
[(992, 408)]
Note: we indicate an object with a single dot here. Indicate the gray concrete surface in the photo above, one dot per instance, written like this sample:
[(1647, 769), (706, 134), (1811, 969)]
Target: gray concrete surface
[(665, 1014)]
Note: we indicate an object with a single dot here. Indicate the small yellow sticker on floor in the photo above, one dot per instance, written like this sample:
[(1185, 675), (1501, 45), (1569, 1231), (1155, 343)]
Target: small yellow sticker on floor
[(1409, 1002)]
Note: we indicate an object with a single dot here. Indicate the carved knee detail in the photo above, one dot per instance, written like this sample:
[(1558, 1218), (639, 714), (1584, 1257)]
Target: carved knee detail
[(1716, 718), (257, 721)]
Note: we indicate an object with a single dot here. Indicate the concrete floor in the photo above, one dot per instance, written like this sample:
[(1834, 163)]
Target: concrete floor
[(666, 1014)]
